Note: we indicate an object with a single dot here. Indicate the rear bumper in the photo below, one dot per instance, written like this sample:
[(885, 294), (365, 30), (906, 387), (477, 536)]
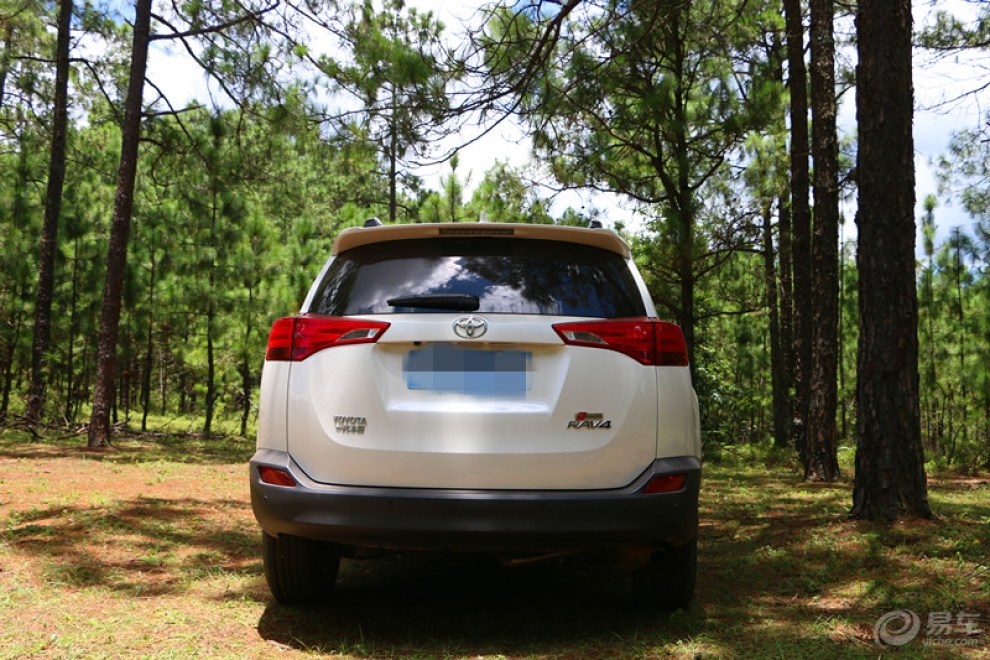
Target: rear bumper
[(478, 520)]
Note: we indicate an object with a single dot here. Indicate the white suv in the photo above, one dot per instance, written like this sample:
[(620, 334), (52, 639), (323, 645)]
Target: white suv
[(500, 388)]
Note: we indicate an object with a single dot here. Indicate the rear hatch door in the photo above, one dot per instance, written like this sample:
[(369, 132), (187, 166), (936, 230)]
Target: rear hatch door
[(470, 385)]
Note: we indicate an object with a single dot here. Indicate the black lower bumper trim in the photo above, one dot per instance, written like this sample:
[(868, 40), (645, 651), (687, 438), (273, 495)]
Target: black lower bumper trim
[(478, 520)]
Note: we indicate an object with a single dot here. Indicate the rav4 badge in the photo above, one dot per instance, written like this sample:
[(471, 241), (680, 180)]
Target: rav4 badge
[(586, 420)]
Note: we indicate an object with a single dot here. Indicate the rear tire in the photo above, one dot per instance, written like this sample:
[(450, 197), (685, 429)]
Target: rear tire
[(667, 581), (299, 571)]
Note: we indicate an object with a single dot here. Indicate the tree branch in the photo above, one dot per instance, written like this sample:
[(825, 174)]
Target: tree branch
[(213, 29)]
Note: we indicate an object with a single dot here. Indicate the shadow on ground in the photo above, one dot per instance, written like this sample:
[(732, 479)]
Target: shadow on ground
[(144, 546), (132, 448), (782, 571), (440, 605)]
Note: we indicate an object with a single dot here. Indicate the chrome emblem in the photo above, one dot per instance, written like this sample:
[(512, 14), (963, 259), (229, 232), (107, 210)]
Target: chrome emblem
[(470, 327), (588, 420)]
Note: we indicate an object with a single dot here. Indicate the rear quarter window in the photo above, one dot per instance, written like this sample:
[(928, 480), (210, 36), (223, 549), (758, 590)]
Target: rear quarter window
[(508, 276)]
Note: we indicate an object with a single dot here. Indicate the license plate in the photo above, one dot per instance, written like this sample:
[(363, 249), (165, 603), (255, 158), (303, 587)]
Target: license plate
[(446, 368)]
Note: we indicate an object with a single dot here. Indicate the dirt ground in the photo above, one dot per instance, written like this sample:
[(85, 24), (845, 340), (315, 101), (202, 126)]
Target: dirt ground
[(152, 550)]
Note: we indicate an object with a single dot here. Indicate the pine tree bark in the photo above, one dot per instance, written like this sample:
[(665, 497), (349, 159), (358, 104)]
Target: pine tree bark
[(393, 157), (71, 402), (120, 228), (49, 229), (890, 480), (800, 215), (149, 348), (778, 368), (777, 273), (890, 477), (821, 460), (784, 419)]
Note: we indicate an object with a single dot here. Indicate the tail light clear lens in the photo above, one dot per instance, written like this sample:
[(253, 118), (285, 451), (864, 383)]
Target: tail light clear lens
[(295, 338), (648, 341)]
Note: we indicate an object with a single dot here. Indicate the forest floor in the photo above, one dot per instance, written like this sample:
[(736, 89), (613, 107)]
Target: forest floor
[(151, 550)]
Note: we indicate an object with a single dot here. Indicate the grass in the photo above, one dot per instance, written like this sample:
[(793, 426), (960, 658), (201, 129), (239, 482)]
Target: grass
[(151, 550)]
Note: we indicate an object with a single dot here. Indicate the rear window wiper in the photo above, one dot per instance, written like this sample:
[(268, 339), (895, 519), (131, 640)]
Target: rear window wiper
[(462, 302)]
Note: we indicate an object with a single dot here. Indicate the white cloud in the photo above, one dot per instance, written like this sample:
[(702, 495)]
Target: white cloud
[(177, 75)]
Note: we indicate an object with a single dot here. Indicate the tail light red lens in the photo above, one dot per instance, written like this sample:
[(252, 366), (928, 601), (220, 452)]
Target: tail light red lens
[(648, 341), (275, 476), (671, 348), (295, 338), (665, 483)]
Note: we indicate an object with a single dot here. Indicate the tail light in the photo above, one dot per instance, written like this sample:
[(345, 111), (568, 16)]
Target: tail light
[(665, 483), (646, 340), (295, 338), (275, 476)]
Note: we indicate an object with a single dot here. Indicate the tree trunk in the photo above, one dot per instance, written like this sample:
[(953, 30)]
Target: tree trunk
[(682, 192), (783, 436), (70, 378), (245, 394), (213, 241), (246, 366), (183, 393), (124, 376), (393, 156), (163, 362), (777, 272), (685, 270), (211, 374), (148, 349), (843, 420), (778, 368), (120, 227), (49, 231), (8, 366), (821, 460), (801, 223), (962, 340), (890, 467)]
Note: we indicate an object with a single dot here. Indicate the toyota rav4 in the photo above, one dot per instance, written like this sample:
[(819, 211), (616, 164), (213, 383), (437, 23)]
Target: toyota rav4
[(496, 388)]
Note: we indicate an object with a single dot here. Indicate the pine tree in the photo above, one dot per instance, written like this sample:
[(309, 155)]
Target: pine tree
[(890, 477)]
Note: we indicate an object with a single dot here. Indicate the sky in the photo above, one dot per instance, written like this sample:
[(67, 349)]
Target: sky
[(938, 116), (935, 121)]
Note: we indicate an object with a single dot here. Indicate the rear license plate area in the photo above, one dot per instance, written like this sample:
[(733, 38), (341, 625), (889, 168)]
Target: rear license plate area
[(451, 368)]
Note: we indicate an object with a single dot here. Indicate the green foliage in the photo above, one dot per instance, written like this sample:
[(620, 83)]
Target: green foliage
[(676, 106), (397, 72), (505, 196), (645, 100), (225, 200), (949, 32), (954, 281), (954, 328)]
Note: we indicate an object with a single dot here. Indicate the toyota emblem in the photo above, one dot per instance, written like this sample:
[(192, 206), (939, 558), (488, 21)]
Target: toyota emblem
[(470, 327)]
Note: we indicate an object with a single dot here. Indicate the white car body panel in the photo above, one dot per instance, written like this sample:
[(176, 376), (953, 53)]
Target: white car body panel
[(416, 438)]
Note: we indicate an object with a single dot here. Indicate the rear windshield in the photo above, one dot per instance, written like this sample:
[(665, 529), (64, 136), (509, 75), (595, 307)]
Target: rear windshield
[(510, 276)]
